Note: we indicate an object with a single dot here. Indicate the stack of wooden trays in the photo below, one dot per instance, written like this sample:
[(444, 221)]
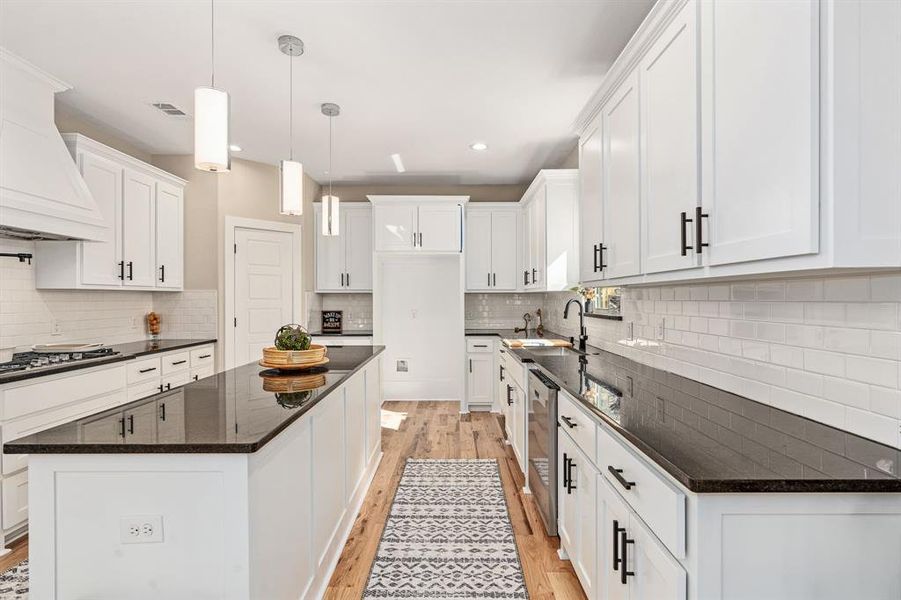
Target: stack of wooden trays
[(296, 383), (294, 360)]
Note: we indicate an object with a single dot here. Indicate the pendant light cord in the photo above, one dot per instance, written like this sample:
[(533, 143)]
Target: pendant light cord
[(212, 44), (330, 156), (291, 105)]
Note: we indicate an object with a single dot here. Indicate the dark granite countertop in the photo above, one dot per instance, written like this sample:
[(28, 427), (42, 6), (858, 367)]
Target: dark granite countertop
[(126, 351), (713, 441), (236, 411)]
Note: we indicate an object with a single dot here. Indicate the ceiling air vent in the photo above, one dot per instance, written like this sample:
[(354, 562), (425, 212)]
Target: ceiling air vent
[(169, 109)]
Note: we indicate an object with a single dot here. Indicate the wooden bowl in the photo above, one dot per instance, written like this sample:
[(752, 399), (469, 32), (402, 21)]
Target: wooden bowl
[(288, 358), (295, 383)]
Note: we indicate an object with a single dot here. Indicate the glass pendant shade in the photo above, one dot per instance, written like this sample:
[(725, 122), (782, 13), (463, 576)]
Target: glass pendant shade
[(211, 108), (291, 187), (330, 216)]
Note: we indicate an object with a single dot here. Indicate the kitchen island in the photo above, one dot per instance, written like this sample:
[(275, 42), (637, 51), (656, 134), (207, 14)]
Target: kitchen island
[(240, 485)]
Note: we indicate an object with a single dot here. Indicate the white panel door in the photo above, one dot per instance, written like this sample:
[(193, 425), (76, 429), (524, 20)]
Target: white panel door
[(357, 233), (331, 258), (525, 250), (169, 236), (373, 408), (440, 228), (658, 576), (670, 125), (591, 198), (622, 181), (139, 229), (613, 524), (264, 298), (100, 260), (537, 245), (762, 129), (355, 427), (480, 379), (329, 457), (567, 504), (586, 559), (394, 227), (478, 250), (503, 249)]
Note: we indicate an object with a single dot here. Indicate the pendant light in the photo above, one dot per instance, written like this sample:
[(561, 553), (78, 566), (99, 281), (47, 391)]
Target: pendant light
[(211, 113), (291, 171), (330, 217)]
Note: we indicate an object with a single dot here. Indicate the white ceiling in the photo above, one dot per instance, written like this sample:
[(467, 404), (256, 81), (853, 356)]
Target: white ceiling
[(420, 78)]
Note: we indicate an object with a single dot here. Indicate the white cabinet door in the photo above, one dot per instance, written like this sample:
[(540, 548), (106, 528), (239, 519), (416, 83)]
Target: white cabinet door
[(591, 197), (15, 499), (394, 226), (357, 232), (328, 459), (761, 130), (373, 408), (139, 229), (567, 504), (622, 179), (586, 559), (100, 260), (440, 228), (355, 427), (330, 255), (537, 241), (169, 236), (526, 248), (478, 250), (503, 250), (613, 522), (480, 379), (658, 576), (670, 125), (519, 426), (170, 425)]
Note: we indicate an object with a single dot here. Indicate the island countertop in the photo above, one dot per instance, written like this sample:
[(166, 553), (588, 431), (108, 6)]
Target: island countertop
[(235, 411)]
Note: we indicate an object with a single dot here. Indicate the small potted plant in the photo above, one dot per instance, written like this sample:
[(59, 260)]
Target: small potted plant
[(293, 349)]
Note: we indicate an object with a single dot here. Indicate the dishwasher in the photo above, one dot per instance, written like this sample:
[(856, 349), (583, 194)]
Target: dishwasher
[(542, 447)]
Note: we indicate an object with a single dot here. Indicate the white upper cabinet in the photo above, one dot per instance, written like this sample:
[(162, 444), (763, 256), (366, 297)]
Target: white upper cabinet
[(139, 229), (418, 223), (762, 77), (100, 260), (620, 254), (550, 248), (591, 214), (744, 137), (344, 261), (144, 209), (670, 158), (170, 236), (491, 247)]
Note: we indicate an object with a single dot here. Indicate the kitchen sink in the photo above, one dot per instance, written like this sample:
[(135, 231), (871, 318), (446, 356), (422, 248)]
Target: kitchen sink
[(553, 351)]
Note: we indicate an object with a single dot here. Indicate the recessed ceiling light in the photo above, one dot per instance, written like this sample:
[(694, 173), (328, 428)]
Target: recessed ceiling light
[(479, 146), (234, 148), (398, 163)]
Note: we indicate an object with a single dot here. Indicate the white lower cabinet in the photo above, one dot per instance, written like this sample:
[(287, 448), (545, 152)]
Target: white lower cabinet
[(480, 373), (577, 522)]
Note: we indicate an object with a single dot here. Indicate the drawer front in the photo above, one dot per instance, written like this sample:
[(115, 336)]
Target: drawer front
[(202, 356), (144, 369), (202, 372), (15, 500), (143, 389), (578, 424), (656, 500), (175, 379), (479, 344), (36, 397), (177, 361)]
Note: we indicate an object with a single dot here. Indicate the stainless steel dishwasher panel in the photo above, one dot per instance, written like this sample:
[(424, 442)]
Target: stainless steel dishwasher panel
[(542, 447)]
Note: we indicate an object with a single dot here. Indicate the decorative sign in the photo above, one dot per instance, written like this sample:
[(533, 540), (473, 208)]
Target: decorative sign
[(331, 321)]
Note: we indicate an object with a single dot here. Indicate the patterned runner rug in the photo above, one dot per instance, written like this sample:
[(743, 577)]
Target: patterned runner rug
[(14, 582), (448, 536)]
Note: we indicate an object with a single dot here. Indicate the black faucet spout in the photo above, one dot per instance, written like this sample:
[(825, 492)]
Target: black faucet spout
[(583, 333)]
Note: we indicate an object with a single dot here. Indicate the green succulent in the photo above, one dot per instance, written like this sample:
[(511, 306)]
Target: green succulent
[(292, 337), (292, 400)]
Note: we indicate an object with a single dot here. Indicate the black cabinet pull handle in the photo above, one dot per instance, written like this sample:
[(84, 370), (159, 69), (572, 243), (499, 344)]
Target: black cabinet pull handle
[(624, 542), (204, 356), (196, 377), (534, 276), (494, 277), (414, 239), (501, 372), (122, 427), (699, 243), (569, 486), (470, 365), (162, 273), (479, 345), (147, 370), (489, 279), (121, 269), (568, 421), (168, 386), (162, 411), (179, 362), (565, 471), (601, 249), (594, 258), (348, 279), (509, 396), (525, 277), (618, 474), (420, 239), (342, 279), (131, 271), (160, 388), (617, 559), (131, 424), (683, 235)]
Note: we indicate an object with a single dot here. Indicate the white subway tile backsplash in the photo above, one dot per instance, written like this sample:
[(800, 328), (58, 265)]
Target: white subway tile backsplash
[(822, 346)]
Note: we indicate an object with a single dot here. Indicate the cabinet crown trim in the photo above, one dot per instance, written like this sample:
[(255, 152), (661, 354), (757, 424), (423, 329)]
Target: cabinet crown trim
[(77, 141), (375, 199)]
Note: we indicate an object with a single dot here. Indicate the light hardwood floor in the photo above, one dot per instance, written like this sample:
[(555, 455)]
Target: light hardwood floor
[(436, 430)]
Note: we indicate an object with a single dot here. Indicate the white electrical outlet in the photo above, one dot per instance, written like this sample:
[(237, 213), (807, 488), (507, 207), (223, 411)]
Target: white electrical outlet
[(134, 322), (661, 328), (141, 529), (55, 327)]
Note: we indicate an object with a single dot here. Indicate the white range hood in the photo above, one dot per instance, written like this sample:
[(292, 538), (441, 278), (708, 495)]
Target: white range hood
[(42, 194)]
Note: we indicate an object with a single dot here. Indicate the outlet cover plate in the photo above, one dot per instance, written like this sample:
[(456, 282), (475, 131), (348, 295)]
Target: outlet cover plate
[(141, 529)]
